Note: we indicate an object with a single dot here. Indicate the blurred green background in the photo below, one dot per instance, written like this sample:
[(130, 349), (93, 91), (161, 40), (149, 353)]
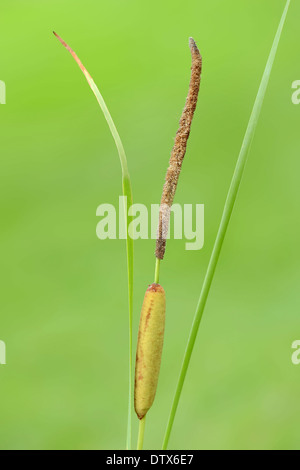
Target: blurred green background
[(64, 292)]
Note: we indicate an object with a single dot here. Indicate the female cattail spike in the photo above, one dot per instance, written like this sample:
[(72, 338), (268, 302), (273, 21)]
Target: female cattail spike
[(178, 151), (149, 348)]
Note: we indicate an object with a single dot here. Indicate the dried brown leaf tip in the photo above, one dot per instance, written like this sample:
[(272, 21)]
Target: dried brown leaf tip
[(74, 55), (178, 151)]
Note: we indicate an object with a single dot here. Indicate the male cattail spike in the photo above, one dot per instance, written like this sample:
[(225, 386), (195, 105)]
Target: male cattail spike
[(178, 151)]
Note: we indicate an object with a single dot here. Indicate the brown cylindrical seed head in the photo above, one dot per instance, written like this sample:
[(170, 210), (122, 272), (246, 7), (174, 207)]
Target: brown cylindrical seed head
[(178, 151), (149, 348)]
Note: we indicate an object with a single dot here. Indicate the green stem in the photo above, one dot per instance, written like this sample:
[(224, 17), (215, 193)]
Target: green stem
[(129, 249), (140, 442), (229, 204), (157, 268)]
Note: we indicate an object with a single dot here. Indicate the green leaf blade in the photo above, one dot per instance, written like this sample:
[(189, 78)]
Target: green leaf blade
[(127, 191), (227, 211)]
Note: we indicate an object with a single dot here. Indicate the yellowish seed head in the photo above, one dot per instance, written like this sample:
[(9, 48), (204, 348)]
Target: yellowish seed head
[(149, 348)]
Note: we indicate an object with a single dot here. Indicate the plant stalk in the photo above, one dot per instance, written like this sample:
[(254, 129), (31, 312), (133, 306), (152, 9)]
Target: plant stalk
[(157, 269), (140, 442)]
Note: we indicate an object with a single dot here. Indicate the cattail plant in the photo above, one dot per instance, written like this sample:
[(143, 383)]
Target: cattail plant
[(152, 321)]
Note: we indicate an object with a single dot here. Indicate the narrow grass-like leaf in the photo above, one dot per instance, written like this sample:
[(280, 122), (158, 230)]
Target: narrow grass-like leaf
[(127, 191), (229, 204)]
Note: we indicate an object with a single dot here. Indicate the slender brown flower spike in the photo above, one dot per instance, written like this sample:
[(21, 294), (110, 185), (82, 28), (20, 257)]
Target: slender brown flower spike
[(178, 151)]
